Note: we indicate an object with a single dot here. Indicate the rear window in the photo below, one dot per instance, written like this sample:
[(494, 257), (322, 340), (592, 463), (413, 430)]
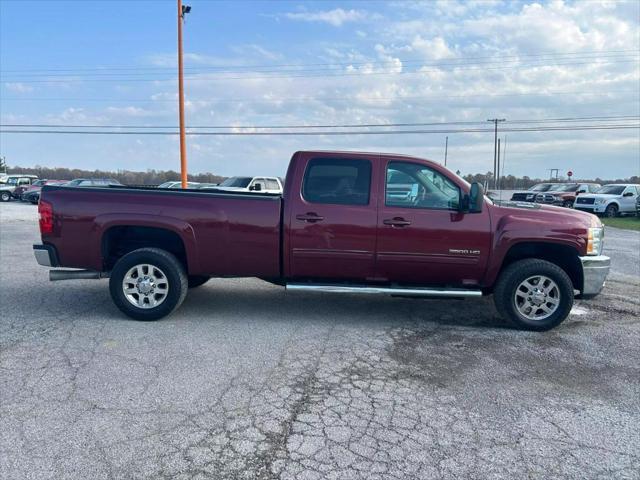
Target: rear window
[(272, 184), (337, 181)]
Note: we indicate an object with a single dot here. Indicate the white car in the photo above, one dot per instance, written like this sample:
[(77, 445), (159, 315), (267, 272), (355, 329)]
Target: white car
[(251, 184), (610, 200), (11, 182)]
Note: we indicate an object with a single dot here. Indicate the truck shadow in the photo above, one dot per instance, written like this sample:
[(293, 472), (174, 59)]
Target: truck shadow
[(264, 302)]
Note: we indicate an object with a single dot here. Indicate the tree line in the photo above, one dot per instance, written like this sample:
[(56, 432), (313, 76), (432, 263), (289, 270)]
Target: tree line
[(511, 182), (156, 177), (127, 177)]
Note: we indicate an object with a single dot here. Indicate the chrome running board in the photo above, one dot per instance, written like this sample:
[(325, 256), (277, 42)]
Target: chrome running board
[(413, 292)]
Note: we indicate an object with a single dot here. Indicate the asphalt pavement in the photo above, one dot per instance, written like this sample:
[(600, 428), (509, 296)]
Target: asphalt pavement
[(247, 382)]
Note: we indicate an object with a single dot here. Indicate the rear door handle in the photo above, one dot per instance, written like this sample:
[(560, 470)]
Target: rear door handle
[(396, 222), (309, 217)]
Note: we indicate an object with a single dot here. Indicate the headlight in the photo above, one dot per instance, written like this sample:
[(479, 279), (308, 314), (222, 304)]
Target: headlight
[(601, 200), (595, 240)]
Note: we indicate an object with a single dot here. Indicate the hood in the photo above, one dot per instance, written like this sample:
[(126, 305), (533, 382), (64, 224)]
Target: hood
[(546, 213), (599, 195)]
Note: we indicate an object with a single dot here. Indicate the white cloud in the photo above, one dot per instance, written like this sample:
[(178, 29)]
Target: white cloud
[(335, 17), (18, 87)]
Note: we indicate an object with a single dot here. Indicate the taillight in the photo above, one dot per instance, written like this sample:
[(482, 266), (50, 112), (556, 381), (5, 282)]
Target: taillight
[(45, 209)]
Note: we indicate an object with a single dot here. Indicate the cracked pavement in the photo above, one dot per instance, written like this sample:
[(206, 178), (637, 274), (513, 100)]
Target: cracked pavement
[(247, 382)]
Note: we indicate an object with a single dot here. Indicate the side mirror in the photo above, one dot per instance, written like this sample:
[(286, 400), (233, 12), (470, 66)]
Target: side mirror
[(476, 198), (628, 194), (256, 188), (580, 191)]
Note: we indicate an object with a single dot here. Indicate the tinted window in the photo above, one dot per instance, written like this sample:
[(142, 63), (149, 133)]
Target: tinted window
[(337, 181), (417, 186)]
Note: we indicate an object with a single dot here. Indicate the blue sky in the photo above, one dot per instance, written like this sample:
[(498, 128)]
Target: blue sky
[(309, 63)]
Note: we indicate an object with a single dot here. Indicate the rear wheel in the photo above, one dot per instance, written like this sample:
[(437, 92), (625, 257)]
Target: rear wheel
[(148, 284), (611, 211), (534, 294), (5, 196)]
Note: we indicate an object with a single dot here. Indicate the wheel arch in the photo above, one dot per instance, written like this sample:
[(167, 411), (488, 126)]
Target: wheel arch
[(118, 240), (564, 256)]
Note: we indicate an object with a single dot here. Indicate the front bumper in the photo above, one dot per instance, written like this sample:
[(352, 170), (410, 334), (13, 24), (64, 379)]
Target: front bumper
[(594, 273), (46, 255), (597, 208)]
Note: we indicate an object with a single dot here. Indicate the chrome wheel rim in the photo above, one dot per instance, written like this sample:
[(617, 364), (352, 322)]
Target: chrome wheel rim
[(537, 297), (145, 286)]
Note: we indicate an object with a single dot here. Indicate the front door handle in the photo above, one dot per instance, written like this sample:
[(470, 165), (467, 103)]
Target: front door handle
[(396, 222), (310, 217)]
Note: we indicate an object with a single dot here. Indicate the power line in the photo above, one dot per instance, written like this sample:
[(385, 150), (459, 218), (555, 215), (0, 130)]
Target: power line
[(496, 58), (252, 100), (332, 132), (329, 68), (457, 67), (626, 118)]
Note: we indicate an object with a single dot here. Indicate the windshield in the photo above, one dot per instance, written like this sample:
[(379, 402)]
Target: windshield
[(240, 182), (612, 189), (541, 187), (74, 183), (566, 188), (166, 185)]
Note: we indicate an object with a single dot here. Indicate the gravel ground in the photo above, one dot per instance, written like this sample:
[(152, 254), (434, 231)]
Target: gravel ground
[(247, 382)]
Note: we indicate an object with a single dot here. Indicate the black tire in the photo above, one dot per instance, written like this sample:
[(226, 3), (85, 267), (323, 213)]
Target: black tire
[(5, 196), (611, 211), (34, 200), (567, 204), (516, 273), (196, 280), (173, 270)]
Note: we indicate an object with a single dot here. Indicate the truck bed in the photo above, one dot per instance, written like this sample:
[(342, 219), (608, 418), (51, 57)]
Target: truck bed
[(224, 233)]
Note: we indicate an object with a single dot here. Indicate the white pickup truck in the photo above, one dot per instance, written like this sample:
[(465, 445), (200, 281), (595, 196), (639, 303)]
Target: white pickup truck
[(251, 184), (610, 200)]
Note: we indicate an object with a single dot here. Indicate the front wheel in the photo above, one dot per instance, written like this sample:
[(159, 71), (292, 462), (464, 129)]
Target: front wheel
[(148, 284), (5, 196), (611, 211), (534, 294), (567, 204)]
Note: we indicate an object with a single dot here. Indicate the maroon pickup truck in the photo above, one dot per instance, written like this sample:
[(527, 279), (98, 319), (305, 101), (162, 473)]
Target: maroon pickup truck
[(346, 223)]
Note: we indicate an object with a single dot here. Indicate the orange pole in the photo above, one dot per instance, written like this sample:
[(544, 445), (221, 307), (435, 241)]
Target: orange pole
[(183, 140)]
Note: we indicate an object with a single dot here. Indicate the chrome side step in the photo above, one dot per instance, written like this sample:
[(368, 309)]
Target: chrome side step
[(413, 292), (57, 275)]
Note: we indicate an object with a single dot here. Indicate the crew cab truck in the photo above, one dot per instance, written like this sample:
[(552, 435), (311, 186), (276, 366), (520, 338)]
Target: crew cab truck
[(346, 223)]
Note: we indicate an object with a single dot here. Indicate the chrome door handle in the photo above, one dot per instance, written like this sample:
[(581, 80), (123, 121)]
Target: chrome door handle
[(396, 222), (309, 217)]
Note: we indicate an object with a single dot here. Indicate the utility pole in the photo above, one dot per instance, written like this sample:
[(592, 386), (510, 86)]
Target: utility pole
[(495, 146), (504, 154), (182, 11), (446, 147), (498, 169)]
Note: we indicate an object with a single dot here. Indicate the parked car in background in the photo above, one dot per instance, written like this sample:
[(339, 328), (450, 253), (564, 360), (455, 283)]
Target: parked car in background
[(565, 195), (32, 194), (178, 184), (610, 200), (638, 206), (93, 182), (530, 194), (252, 184), (13, 182)]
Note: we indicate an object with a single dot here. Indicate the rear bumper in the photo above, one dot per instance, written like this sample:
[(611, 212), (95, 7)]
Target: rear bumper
[(46, 255), (594, 271)]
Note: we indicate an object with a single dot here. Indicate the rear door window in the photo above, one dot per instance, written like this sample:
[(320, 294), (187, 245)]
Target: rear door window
[(337, 181)]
